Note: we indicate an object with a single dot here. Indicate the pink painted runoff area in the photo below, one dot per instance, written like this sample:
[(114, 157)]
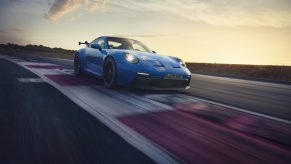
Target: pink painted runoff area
[(205, 133), (69, 80)]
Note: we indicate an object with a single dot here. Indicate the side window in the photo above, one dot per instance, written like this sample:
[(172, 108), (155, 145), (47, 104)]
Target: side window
[(137, 47), (113, 44), (99, 41)]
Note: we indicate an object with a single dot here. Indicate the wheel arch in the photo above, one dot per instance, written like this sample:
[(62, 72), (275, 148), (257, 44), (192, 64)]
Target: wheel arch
[(80, 55), (117, 57), (105, 59), (112, 62)]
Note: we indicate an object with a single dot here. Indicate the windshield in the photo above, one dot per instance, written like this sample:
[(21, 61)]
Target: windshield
[(126, 44)]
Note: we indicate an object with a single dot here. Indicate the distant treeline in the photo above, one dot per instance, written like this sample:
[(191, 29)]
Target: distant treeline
[(29, 47), (282, 73)]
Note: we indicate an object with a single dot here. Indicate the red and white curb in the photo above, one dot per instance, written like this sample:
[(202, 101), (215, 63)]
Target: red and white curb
[(174, 128)]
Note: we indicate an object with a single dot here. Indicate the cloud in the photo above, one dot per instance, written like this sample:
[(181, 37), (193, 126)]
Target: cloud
[(60, 8), (273, 13), (16, 30), (9, 39), (16, 1)]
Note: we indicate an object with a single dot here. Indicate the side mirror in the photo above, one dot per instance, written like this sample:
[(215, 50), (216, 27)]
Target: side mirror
[(154, 52), (96, 46), (84, 43)]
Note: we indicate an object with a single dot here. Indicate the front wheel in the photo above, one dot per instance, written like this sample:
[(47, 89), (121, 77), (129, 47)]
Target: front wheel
[(109, 75)]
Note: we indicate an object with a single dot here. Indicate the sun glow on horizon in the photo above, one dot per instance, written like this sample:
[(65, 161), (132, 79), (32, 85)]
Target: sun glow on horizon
[(241, 32)]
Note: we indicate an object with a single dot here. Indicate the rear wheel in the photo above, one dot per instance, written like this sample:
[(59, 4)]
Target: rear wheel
[(77, 65), (109, 75)]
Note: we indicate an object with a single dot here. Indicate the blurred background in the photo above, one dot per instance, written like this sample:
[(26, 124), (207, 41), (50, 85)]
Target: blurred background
[(203, 31)]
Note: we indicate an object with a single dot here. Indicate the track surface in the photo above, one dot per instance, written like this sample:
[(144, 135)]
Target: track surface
[(262, 97), (250, 124), (38, 124)]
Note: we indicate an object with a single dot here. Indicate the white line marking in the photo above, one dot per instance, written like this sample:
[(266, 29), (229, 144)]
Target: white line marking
[(140, 103), (66, 71), (31, 80), (180, 98), (244, 110), (242, 81)]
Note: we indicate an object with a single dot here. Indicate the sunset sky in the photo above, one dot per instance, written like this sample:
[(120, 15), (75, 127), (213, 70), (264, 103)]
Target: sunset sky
[(211, 31)]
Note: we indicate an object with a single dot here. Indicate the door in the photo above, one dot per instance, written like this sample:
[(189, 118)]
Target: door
[(94, 57)]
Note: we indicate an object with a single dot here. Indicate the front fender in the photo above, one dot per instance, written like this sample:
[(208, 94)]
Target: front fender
[(125, 70), (117, 56)]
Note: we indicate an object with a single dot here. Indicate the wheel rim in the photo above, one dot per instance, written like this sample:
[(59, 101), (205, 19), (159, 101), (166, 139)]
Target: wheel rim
[(109, 73)]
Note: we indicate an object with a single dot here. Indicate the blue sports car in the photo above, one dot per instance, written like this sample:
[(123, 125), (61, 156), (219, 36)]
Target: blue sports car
[(128, 62)]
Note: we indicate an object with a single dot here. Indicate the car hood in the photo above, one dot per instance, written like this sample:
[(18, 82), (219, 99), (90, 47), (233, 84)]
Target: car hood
[(154, 59)]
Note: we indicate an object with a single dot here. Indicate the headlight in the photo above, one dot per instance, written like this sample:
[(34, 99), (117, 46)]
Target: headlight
[(131, 58)]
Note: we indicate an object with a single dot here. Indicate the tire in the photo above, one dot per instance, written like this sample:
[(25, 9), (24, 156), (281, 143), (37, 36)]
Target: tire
[(110, 73), (77, 65)]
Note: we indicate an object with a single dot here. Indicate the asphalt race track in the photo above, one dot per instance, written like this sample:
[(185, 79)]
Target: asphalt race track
[(40, 125), (50, 115)]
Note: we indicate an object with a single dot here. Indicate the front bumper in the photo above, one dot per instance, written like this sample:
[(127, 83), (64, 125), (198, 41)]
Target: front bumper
[(151, 82), (134, 75)]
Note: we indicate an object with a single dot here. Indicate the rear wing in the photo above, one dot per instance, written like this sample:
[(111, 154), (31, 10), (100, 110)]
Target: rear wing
[(86, 43)]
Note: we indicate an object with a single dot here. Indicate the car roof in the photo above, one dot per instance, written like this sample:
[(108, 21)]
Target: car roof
[(115, 37)]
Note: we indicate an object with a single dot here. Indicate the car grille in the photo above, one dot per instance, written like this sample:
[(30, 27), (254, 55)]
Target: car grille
[(160, 83), (173, 77)]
